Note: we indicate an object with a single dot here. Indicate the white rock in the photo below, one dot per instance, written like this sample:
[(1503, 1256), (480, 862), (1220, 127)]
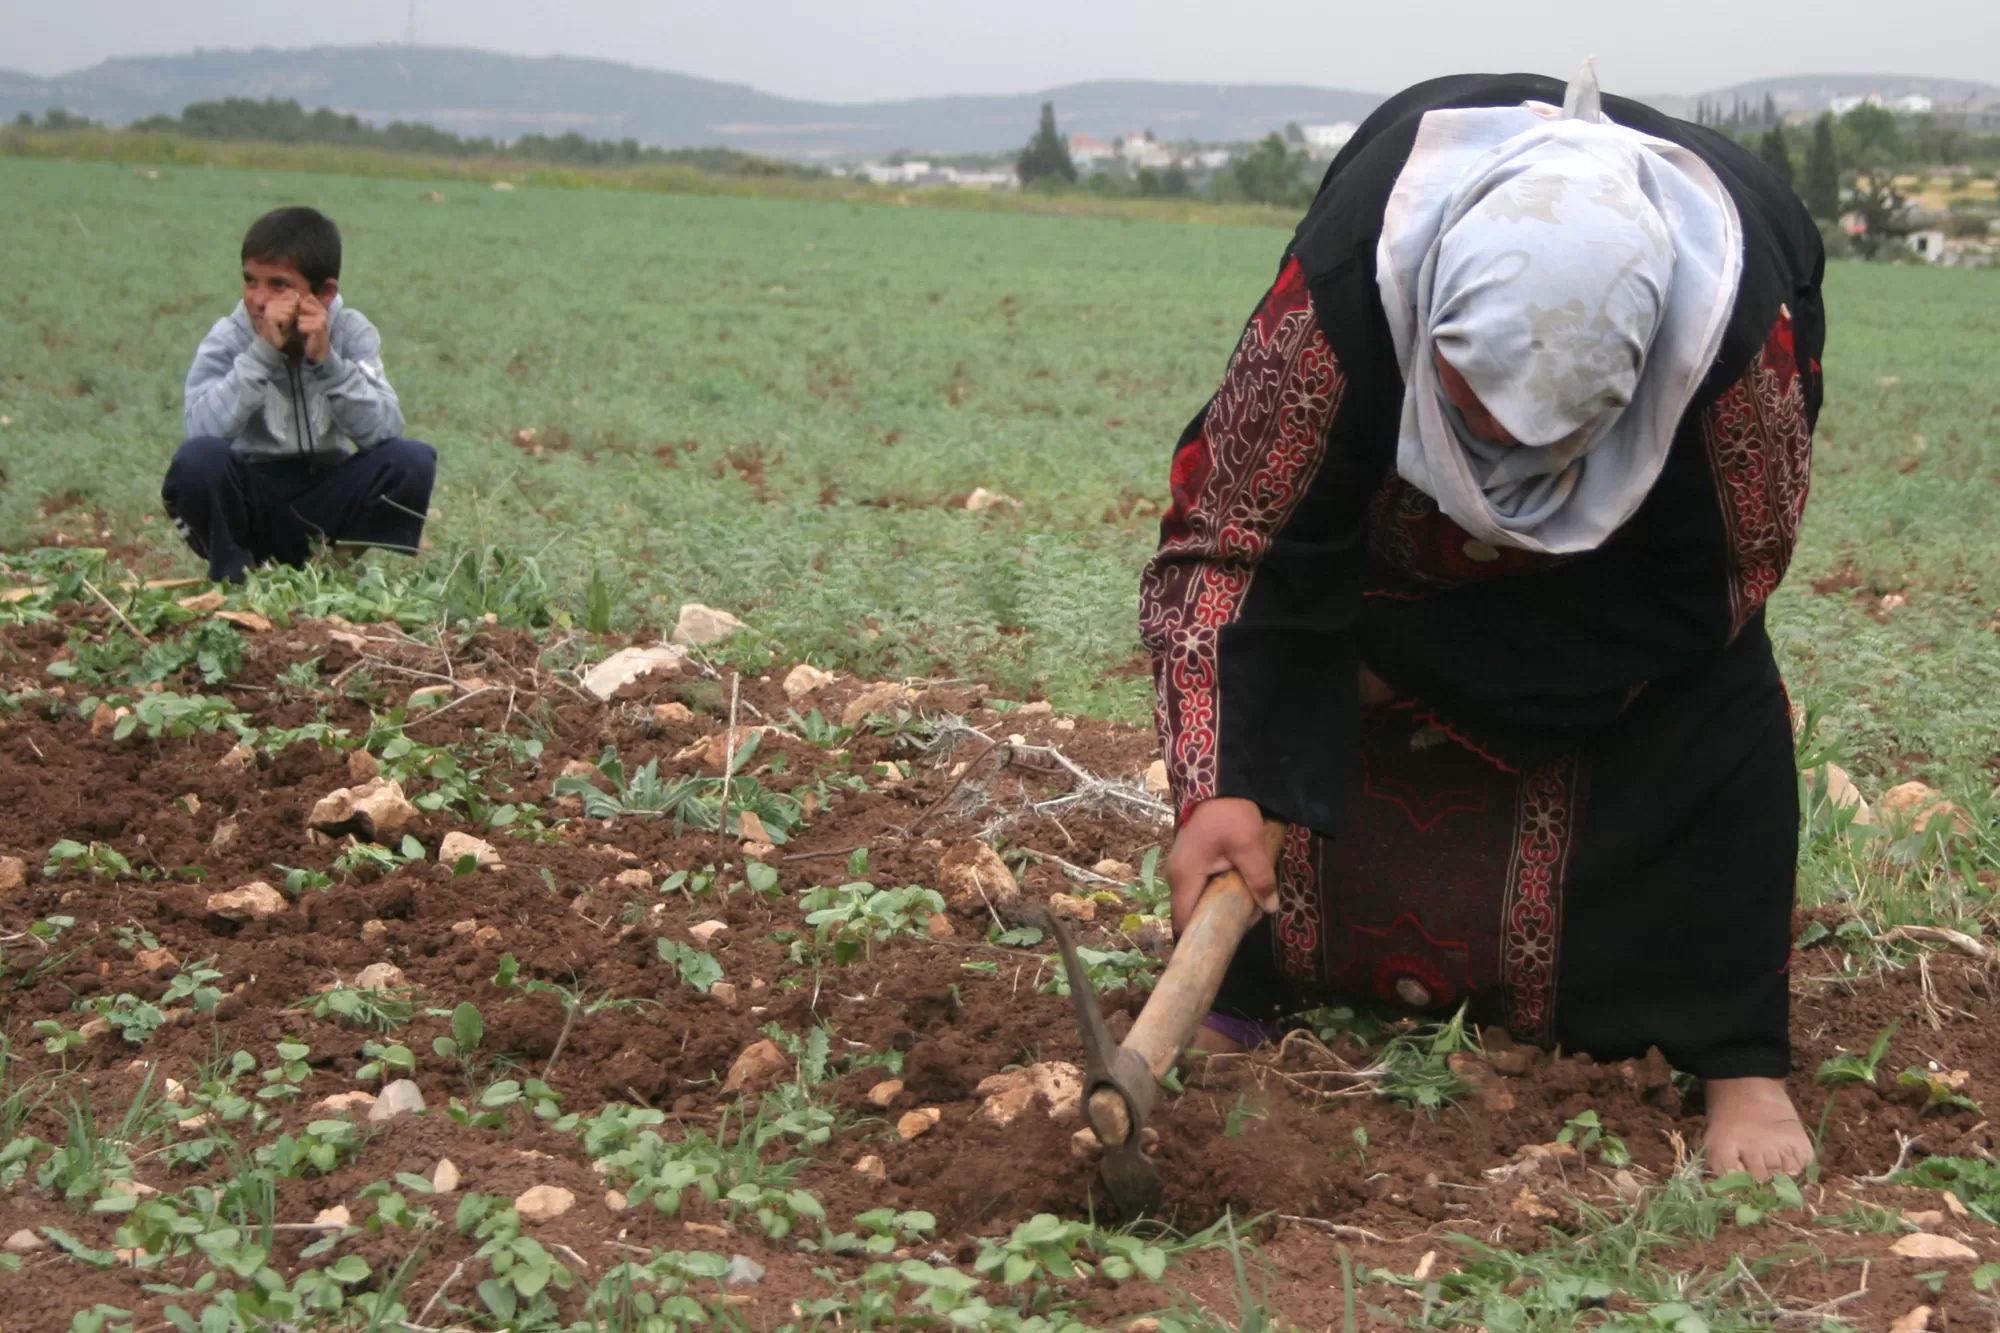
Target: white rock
[(542, 1203), (920, 1121), (1060, 1086), (400, 1097), (1072, 908), (1919, 804), (13, 874), (672, 712), (704, 624), (255, 901), (706, 932), (374, 931), (444, 1179), (628, 664), (884, 698), (344, 1101), (371, 810), (1156, 778), (239, 756), (750, 827), (759, 1065), (362, 766), (456, 846), (1039, 708), (336, 1216), (743, 1272), (803, 679), (615, 1201), (1925, 1246), (1121, 871), (23, 1241), (380, 976), (981, 498), (872, 1167)]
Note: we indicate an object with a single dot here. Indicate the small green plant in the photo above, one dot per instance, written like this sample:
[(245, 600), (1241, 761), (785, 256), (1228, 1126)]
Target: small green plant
[(1940, 1089), (382, 1010), (134, 1019), (815, 730), (1850, 1068), (195, 983), (385, 1062), (695, 967), (282, 1081), (855, 917), (1755, 1202), (1108, 969), (1587, 1134), (322, 1146), (369, 861), (97, 859), (777, 1212), (169, 716)]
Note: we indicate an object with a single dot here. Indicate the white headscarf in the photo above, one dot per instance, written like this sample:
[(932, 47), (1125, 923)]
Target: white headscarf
[(1579, 275)]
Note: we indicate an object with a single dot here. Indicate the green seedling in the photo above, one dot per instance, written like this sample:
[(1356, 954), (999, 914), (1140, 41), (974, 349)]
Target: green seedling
[(1587, 1134), (1850, 1068)]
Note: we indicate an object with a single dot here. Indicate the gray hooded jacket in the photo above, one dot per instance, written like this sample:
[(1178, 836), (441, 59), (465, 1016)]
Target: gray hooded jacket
[(246, 391)]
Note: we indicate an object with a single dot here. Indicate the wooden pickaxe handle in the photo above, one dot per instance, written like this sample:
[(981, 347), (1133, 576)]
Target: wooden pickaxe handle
[(1187, 988)]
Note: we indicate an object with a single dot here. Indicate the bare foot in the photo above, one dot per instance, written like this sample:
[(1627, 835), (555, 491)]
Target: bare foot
[(1210, 1042), (1752, 1126)]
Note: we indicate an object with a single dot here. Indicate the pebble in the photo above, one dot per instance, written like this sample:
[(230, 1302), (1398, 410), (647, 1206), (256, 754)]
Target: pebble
[(372, 808), (724, 991), (885, 1092), (486, 936), (750, 827), (940, 927), (465, 927), (543, 1202), (1119, 870), (239, 756), (759, 1064), (255, 901), (668, 713), (803, 679), (374, 932), (362, 767), (23, 1241), (336, 1216), (872, 1168), (445, 1178), (615, 1201), (700, 625), (13, 874), (707, 931), (1925, 1246), (626, 665), (457, 846), (1156, 778), (743, 1272), (344, 1101), (1072, 908), (151, 960), (637, 880), (972, 875), (380, 976), (398, 1098), (920, 1121)]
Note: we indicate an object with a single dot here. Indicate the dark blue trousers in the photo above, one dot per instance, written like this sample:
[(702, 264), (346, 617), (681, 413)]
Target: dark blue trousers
[(239, 513)]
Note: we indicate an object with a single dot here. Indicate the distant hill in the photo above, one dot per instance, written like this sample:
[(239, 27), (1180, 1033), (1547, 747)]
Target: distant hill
[(480, 93), (1809, 94)]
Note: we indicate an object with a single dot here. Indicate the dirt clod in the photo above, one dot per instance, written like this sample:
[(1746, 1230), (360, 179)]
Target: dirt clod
[(255, 901), (700, 625), (13, 874), (543, 1203), (760, 1065), (1923, 1245), (368, 810), (921, 1121), (972, 876)]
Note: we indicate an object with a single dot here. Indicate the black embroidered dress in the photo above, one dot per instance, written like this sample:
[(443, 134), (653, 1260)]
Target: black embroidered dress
[(1580, 811)]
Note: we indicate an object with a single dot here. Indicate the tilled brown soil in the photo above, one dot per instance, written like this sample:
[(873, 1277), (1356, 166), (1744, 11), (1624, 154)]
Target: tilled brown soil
[(1250, 1136)]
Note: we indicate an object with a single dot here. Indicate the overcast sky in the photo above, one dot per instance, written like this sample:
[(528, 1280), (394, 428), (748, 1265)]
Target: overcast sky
[(857, 50)]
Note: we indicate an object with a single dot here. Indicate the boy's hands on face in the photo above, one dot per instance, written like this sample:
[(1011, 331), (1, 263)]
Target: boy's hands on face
[(311, 325), (281, 314)]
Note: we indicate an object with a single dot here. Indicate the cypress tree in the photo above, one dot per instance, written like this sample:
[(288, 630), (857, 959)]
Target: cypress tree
[(1822, 191), (1777, 154), (1046, 154)]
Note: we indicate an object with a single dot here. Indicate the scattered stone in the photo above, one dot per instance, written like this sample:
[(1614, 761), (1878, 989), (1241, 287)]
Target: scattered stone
[(626, 665), (374, 931), (871, 1168), (579, 768), (1924, 1245), (1039, 708), (380, 976), (615, 1201), (1119, 870), (465, 927), (940, 927), (750, 828), (444, 1179), (204, 602), (885, 1092), (336, 1216), (1954, 1205), (707, 1230), (504, 187), (486, 937), (362, 767), (672, 712), (255, 901), (368, 810), (249, 620), (1626, 1184), (457, 846), (1918, 1320), (803, 679), (239, 756), (543, 1203), (432, 196), (1056, 1083), (699, 625), (1065, 724), (23, 1241), (1060, 1086), (191, 803), (399, 1097), (981, 498), (1919, 805), (743, 1272), (13, 874), (760, 851), (1156, 778), (883, 698), (1528, 1204), (920, 1121), (95, 1028), (1008, 1104), (725, 992), (224, 835), (1072, 908), (760, 1064), (706, 931), (1925, 1219), (714, 749), (429, 696), (973, 875), (637, 880), (1513, 1062), (344, 1101), (1143, 1324), (150, 960), (129, 1189)]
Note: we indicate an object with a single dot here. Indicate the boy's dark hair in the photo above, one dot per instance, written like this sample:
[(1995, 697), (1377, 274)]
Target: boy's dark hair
[(305, 238)]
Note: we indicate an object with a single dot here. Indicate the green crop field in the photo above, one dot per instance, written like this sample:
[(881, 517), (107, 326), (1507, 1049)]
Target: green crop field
[(774, 406)]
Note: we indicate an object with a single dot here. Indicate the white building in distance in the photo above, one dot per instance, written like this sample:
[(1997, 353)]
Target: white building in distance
[(1326, 140)]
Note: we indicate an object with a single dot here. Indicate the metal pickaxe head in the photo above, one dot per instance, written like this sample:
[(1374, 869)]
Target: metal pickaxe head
[(1118, 1093)]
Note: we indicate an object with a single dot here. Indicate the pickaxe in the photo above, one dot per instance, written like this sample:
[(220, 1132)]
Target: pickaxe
[(1121, 1083)]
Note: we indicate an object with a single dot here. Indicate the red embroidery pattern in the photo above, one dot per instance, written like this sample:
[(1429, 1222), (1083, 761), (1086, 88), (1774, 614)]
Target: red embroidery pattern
[(1414, 550), (1545, 817), (1234, 485), (1760, 453), (1298, 927)]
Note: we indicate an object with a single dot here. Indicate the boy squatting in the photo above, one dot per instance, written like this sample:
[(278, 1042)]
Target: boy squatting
[(294, 434)]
